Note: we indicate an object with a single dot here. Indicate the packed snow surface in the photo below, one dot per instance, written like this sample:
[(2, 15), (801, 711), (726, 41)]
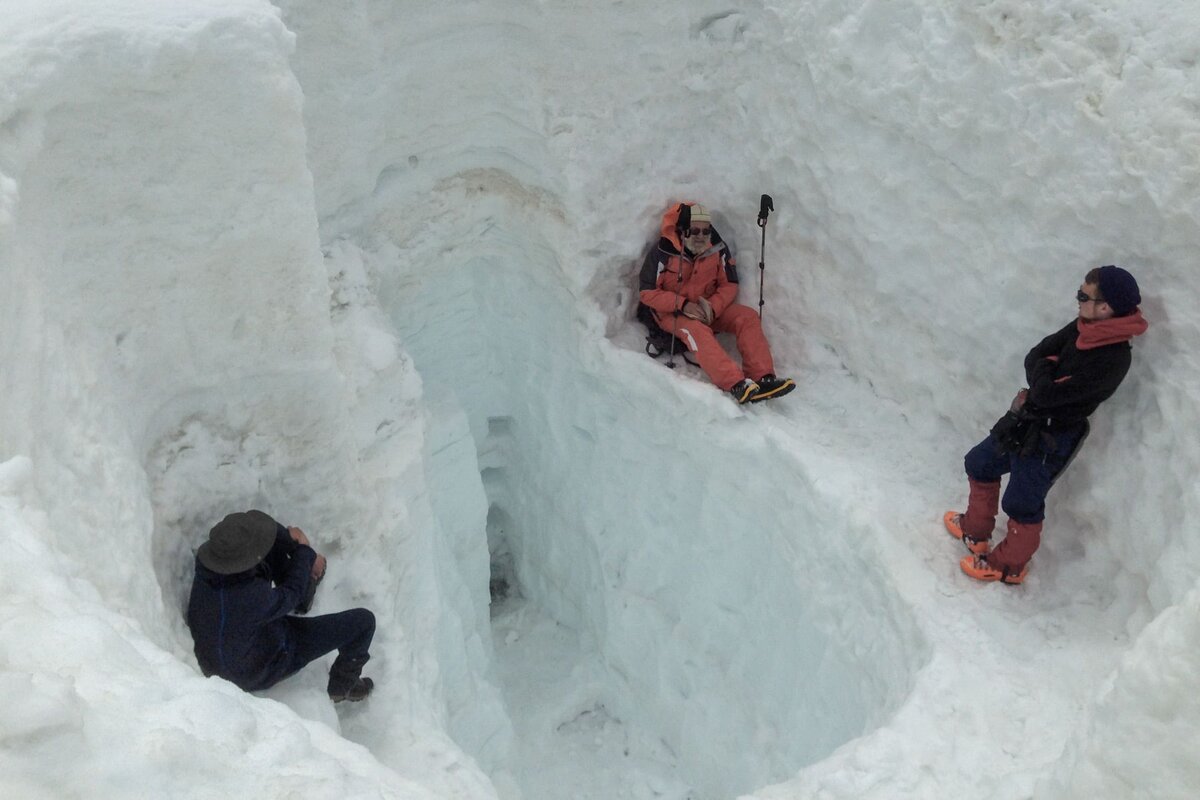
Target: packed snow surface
[(371, 267)]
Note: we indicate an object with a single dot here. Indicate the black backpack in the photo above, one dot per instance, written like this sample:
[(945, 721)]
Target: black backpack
[(658, 341)]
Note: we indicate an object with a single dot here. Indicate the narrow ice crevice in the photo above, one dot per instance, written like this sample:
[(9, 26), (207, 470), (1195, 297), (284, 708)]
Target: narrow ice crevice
[(683, 547), (738, 615)]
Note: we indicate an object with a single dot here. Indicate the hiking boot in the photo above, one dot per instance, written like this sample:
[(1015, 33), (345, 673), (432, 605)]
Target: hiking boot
[(978, 568), (770, 386), (744, 390), (344, 680), (354, 692), (953, 522)]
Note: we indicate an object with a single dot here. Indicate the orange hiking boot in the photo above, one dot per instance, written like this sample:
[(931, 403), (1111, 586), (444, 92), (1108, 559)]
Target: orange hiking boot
[(978, 568), (953, 523)]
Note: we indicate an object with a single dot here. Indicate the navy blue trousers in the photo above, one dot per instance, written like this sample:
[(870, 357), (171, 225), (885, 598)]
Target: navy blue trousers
[(348, 632), (1030, 477)]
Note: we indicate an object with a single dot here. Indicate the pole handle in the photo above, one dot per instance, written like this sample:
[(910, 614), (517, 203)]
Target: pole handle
[(765, 206)]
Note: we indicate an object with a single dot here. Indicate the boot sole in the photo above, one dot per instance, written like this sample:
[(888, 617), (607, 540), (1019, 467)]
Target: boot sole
[(779, 391)]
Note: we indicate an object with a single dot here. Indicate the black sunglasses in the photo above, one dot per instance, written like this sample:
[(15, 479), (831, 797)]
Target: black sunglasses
[(699, 231), (1082, 297)]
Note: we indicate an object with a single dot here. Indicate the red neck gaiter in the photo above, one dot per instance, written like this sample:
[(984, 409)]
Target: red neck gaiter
[(1110, 331)]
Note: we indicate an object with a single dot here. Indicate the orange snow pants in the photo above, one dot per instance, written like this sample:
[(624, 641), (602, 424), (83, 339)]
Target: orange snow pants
[(723, 371)]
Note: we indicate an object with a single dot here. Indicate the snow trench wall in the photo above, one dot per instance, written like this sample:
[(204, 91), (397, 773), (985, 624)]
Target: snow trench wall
[(1013, 146), (174, 349)]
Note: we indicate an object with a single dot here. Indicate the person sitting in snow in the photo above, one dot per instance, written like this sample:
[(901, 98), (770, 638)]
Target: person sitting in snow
[(688, 284), (251, 574), (1070, 373)]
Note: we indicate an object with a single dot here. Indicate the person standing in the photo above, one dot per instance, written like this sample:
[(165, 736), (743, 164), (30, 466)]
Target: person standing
[(1070, 373)]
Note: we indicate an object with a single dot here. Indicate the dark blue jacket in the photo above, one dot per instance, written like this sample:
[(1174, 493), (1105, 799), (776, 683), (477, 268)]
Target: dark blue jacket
[(237, 620)]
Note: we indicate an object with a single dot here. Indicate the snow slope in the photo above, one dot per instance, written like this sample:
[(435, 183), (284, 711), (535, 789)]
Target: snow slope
[(370, 268)]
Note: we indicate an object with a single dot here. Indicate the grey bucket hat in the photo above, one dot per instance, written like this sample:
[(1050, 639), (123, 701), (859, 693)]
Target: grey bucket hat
[(238, 542)]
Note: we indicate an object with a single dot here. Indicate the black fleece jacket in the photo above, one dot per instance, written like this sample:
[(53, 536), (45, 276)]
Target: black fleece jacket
[(1066, 384)]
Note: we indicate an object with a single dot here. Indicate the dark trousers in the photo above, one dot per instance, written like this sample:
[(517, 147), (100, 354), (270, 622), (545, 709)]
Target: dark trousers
[(348, 632), (1030, 476)]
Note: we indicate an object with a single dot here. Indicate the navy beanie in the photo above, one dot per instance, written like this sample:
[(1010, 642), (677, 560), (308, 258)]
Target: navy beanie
[(1119, 290)]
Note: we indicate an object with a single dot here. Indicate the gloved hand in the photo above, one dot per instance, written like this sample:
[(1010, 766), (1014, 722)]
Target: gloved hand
[(699, 310)]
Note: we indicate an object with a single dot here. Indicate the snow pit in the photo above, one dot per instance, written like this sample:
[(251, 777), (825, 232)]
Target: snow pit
[(730, 607), (373, 272)]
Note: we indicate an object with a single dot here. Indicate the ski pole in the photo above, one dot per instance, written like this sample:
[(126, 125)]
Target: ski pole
[(682, 224), (765, 207)]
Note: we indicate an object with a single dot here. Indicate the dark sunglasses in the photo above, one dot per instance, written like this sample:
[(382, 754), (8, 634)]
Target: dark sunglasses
[(1082, 297), (699, 231)]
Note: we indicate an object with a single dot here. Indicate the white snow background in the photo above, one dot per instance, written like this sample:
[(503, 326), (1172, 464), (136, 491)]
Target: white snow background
[(371, 265)]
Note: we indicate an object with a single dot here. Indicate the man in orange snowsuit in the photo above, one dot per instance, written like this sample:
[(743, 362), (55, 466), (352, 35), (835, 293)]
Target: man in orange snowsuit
[(689, 282)]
